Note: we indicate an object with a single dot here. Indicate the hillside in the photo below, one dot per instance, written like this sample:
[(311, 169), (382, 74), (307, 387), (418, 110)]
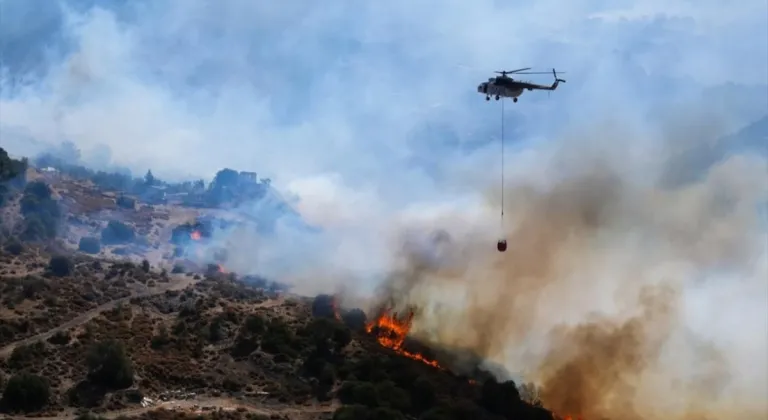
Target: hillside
[(120, 339), (104, 312)]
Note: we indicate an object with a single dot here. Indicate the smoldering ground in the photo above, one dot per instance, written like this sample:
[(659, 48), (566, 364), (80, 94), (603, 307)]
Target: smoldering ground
[(621, 295)]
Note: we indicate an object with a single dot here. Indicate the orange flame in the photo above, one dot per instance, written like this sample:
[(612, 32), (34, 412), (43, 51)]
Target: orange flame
[(195, 235), (335, 306), (391, 332)]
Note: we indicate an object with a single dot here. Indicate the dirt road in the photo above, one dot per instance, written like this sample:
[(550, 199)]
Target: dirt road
[(177, 282)]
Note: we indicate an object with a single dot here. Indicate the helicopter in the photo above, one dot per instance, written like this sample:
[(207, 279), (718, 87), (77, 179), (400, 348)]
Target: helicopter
[(507, 87)]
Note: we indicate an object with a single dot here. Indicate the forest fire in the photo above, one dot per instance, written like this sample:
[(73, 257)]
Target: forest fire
[(195, 235), (391, 332)]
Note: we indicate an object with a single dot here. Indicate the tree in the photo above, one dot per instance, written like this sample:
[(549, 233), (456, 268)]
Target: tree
[(422, 394), (109, 365), (26, 392), (41, 212), (223, 187), (12, 174), (117, 232), (225, 178), (60, 265), (501, 398), (324, 306), (355, 319), (149, 179), (13, 247), (125, 202), (352, 412)]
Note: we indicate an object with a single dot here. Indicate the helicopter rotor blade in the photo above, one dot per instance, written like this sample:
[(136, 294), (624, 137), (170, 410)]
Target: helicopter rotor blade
[(512, 71), (541, 72)]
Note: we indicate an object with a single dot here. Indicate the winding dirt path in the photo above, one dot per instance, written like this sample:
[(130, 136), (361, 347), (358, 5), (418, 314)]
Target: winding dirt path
[(178, 282)]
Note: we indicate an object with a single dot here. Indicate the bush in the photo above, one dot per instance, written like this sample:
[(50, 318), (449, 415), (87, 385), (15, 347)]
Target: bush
[(355, 319), (255, 324), (358, 393), (324, 306), (26, 392), (32, 286), (12, 174), (117, 233), (14, 247), (109, 365), (89, 245), (422, 394), (126, 202), (60, 265), (500, 398), (41, 212), (352, 412)]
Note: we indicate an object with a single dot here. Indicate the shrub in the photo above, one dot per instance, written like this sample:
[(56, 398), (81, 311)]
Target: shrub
[(26, 392), (109, 365), (255, 324), (89, 245), (324, 306), (126, 202), (32, 286), (117, 232), (422, 394), (14, 247), (355, 319), (351, 412), (60, 265), (41, 212)]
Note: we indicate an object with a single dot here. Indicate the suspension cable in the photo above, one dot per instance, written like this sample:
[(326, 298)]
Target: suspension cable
[(502, 164)]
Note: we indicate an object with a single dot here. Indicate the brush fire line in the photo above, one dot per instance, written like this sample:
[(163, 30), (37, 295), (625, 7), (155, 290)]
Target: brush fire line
[(391, 332)]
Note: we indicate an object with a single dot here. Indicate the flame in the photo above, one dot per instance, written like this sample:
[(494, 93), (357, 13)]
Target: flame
[(391, 333), (195, 235), (222, 269), (335, 306)]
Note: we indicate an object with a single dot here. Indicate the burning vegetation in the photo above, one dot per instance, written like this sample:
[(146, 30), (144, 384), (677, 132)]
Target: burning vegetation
[(391, 331)]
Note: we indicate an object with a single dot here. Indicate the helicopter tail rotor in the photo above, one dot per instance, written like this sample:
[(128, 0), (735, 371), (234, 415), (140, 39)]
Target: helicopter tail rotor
[(554, 73)]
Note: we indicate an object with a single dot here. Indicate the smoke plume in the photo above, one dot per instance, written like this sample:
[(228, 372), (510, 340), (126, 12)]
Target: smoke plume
[(619, 295)]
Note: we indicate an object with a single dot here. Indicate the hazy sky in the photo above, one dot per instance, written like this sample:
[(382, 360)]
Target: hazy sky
[(370, 91)]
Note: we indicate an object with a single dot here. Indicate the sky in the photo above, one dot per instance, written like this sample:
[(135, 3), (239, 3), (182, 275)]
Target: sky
[(296, 89), (368, 113)]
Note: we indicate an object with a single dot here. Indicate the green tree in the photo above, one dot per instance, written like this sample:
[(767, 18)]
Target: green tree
[(117, 232), (352, 412), (60, 265), (149, 179), (109, 365), (26, 392), (12, 174), (41, 212)]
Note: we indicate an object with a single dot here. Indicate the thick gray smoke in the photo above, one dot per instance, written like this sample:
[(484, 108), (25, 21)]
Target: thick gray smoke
[(619, 295)]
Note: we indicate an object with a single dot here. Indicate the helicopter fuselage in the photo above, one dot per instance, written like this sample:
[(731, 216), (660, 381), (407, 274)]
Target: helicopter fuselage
[(506, 90)]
